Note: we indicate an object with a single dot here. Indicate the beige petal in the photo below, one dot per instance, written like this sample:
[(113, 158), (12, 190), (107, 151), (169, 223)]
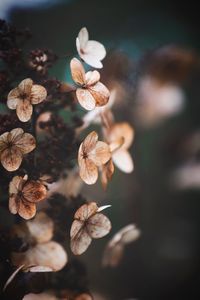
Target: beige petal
[(11, 158), (85, 99), (24, 110), (25, 86), (123, 160), (100, 93), (122, 130), (77, 71), (50, 254), (26, 143), (41, 227), (15, 135), (13, 275), (26, 210), (90, 142), (107, 172), (14, 185), (129, 234), (98, 226), (80, 240), (88, 171), (3, 141), (34, 191), (13, 98), (38, 94), (91, 60), (92, 77), (86, 211), (42, 296), (96, 49), (100, 154)]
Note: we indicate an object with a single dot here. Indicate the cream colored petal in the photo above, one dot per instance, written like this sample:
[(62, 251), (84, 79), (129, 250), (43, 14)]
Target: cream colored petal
[(39, 269), (11, 158), (129, 234), (90, 142), (83, 37), (34, 191), (92, 77), (26, 210), (13, 98), (88, 171), (50, 254), (80, 240), (100, 154), (86, 211), (77, 71), (15, 135), (85, 99), (25, 86), (13, 275), (24, 110), (96, 49), (38, 94), (14, 185), (100, 93), (122, 130), (26, 143), (4, 141), (123, 160), (91, 60), (41, 227), (13, 204), (98, 226)]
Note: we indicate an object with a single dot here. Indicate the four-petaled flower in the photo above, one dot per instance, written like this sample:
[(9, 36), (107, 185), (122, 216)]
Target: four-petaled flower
[(24, 96), (23, 196), (13, 145), (92, 52), (91, 92), (88, 224), (92, 154)]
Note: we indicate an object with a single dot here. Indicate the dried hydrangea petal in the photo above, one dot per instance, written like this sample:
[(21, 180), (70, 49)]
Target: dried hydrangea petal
[(85, 99), (98, 226), (11, 158), (24, 110), (38, 94), (100, 93), (77, 71)]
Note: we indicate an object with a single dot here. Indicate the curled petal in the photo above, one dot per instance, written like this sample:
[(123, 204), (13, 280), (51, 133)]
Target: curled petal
[(85, 99), (25, 87), (100, 93), (77, 71), (98, 226), (88, 171), (122, 130), (24, 110), (26, 143), (82, 38), (100, 154), (79, 241), (92, 77), (107, 172), (38, 94), (11, 158), (123, 160), (26, 210), (86, 211), (13, 98)]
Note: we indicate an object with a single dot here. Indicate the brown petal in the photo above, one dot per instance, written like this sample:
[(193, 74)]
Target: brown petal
[(41, 227), (88, 171), (15, 135), (3, 141), (24, 110), (14, 185), (113, 255), (86, 211), (122, 130), (90, 142), (25, 86), (42, 296), (13, 98), (98, 226), (77, 71), (26, 143), (13, 204), (92, 77), (100, 154), (26, 210), (34, 191), (80, 240), (85, 99), (11, 158), (38, 94), (100, 93), (107, 172)]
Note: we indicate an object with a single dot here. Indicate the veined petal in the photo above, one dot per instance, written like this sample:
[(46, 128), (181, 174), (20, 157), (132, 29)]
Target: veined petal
[(98, 226), (81, 240), (100, 93), (85, 99), (77, 71), (26, 143), (26, 209), (24, 110), (34, 191), (14, 185), (13, 98), (3, 141), (100, 154), (11, 158), (25, 86), (92, 77), (90, 142), (123, 160), (88, 171), (15, 135), (38, 94), (86, 211)]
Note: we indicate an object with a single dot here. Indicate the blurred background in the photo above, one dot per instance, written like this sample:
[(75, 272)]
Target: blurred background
[(153, 58)]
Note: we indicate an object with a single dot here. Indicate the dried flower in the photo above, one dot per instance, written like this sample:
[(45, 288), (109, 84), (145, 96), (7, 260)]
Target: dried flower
[(92, 154), (24, 96), (13, 146), (91, 92), (115, 247), (24, 194), (42, 296), (92, 52), (41, 60), (88, 224), (107, 171)]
